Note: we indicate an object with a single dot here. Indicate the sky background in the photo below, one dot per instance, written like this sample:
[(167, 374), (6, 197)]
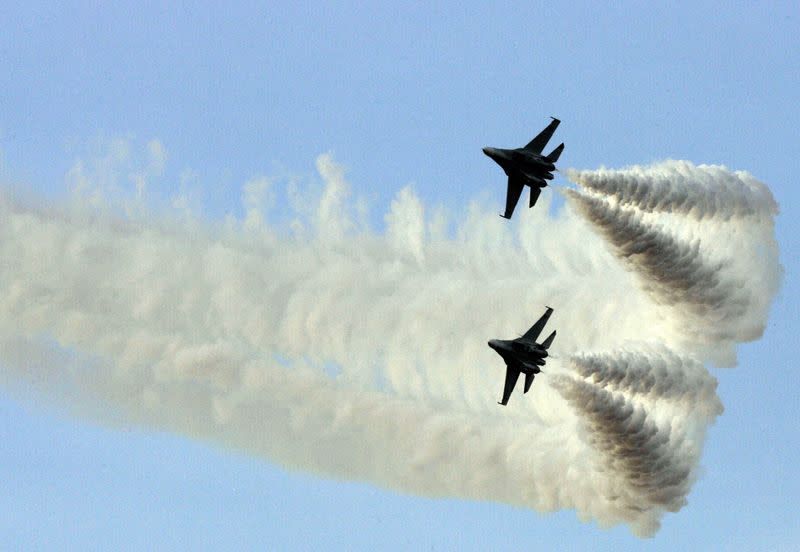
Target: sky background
[(399, 95)]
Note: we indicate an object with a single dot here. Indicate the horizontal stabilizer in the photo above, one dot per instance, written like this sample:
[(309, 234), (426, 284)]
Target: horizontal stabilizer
[(555, 154), (534, 196), (547, 342), (528, 380)]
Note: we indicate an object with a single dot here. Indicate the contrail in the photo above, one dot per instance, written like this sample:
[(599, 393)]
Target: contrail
[(681, 187), (324, 345)]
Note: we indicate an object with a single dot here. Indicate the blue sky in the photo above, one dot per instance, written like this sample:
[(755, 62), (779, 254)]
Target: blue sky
[(399, 95)]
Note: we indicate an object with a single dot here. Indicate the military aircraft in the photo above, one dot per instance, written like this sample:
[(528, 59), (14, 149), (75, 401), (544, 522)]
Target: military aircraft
[(523, 355), (527, 167)]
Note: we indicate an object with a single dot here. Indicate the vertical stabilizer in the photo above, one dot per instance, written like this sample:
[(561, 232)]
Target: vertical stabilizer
[(555, 154), (546, 343)]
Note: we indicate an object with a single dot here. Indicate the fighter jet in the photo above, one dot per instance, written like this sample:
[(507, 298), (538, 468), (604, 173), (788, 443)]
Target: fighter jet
[(523, 355), (527, 167)]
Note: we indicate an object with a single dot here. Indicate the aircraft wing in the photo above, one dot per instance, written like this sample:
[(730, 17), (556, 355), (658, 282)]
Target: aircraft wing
[(537, 328), (512, 375), (515, 185), (537, 144)]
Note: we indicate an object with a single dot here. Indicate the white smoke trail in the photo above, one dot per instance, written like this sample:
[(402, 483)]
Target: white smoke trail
[(672, 271), (356, 354), (651, 463), (682, 187), (656, 375)]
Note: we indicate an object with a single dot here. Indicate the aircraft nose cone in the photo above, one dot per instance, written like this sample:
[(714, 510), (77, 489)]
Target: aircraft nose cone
[(488, 151)]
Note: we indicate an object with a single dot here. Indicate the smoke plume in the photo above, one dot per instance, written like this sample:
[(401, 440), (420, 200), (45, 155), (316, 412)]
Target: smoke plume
[(703, 191), (651, 464), (654, 375), (674, 272), (324, 345)]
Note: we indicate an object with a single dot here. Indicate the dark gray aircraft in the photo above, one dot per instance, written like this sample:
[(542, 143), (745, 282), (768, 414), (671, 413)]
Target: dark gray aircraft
[(523, 355), (527, 167)]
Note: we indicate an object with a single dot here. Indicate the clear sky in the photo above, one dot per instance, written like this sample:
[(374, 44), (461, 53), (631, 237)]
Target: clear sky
[(399, 95)]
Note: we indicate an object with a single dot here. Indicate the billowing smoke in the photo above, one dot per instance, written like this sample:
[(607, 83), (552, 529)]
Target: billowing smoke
[(324, 345), (674, 272), (659, 375), (651, 464), (682, 187)]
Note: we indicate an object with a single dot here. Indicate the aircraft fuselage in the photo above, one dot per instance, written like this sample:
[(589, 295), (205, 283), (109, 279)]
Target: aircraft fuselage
[(528, 356), (535, 168), (523, 355), (527, 166)]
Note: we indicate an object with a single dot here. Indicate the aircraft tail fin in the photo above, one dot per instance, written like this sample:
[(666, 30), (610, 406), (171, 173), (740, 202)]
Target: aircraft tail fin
[(556, 153), (528, 381), (547, 342)]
